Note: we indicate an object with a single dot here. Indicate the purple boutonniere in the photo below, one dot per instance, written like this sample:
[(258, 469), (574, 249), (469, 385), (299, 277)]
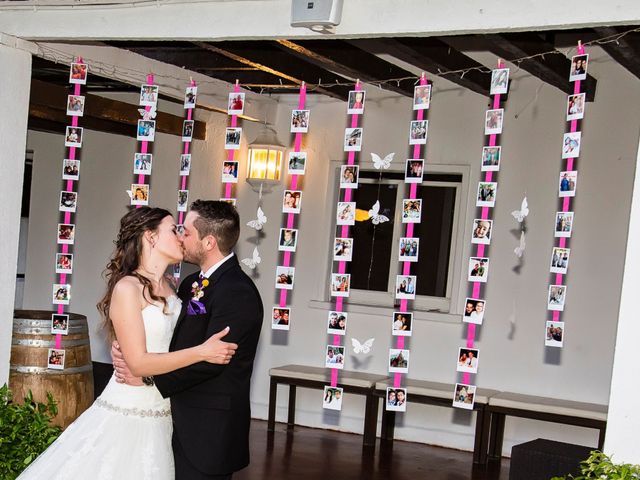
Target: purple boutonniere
[(196, 307)]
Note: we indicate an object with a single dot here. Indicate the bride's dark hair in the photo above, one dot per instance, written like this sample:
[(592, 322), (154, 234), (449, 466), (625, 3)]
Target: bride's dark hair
[(126, 258)]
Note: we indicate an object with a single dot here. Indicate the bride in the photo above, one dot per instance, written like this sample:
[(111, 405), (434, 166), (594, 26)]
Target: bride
[(126, 433)]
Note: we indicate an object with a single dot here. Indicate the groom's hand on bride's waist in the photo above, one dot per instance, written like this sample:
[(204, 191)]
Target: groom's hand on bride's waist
[(122, 372)]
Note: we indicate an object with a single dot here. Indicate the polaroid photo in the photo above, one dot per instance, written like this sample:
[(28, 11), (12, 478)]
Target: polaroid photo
[(346, 213), (421, 97), (285, 277), (139, 194), (66, 233), (396, 399), (355, 104), (64, 263), (288, 240), (401, 324), (229, 172), (554, 334), (334, 357), (280, 318), (146, 130), (560, 260), (411, 210), (230, 201), (567, 184), (481, 233), (70, 169), (575, 106), (571, 144), (468, 359), (474, 310), (564, 224), (180, 229), (349, 176), (340, 284), (499, 81), (464, 396), (486, 194), (291, 201), (148, 95), (579, 64), (491, 159), (55, 359), (300, 121), (232, 138), (68, 201), (73, 137), (406, 287), (493, 120), (235, 106), (398, 361), (342, 249), (177, 268), (185, 164), (557, 296), (61, 294), (59, 324), (142, 163), (413, 171), (187, 130), (183, 199), (408, 250), (190, 95), (337, 323), (353, 139), (418, 132), (478, 269), (297, 163), (78, 73), (332, 399), (75, 105)]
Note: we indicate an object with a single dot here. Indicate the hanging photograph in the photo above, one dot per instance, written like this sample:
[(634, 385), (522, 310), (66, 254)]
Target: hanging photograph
[(421, 97), (55, 359), (78, 73), (59, 324), (408, 251), (70, 169), (481, 233), (346, 213), (398, 360), (468, 360), (291, 201), (64, 263), (280, 318), (486, 194), (297, 163), (146, 130), (571, 145), (499, 81), (564, 224), (478, 269), (413, 171), (575, 106), (68, 201), (557, 294), (139, 194), (401, 323), (75, 105), (579, 64), (352, 139), (66, 233), (285, 277), (332, 398), (464, 396), (183, 200), (337, 323), (396, 399), (340, 284), (473, 311), (232, 138), (190, 95), (406, 287), (300, 121), (491, 159), (288, 240), (73, 137), (411, 210), (185, 164), (349, 176), (418, 132), (567, 186), (560, 260), (493, 121), (342, 249), (61, 294), (334, 357), (355, 105), (235, 105), (148, 95), (554, 334), (230, 172), (187, 130), (230, 201), (142, 163)]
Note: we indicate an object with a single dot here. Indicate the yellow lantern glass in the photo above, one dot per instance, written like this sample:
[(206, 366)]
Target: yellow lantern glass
[(265, 162)]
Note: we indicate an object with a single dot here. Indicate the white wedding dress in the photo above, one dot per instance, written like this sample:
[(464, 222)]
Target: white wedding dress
[(126, 433)]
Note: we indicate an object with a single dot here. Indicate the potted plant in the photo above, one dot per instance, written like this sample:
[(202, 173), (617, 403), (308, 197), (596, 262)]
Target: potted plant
[(599, 466)]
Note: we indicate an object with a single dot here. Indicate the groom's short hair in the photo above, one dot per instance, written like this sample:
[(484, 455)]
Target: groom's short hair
[(218, 219)]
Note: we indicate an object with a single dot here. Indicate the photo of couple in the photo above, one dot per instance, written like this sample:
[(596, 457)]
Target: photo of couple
[(177, 406)]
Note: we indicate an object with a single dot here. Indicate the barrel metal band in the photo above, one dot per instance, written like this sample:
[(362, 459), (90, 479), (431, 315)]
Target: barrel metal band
[(46, 371), (27, 342)]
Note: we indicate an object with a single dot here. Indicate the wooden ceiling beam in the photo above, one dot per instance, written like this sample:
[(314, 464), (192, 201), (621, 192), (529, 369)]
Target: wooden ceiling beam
[(624, 50)]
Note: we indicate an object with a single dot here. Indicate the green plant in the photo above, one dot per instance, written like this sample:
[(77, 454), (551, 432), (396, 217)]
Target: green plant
[(600, 466), (25, 431)]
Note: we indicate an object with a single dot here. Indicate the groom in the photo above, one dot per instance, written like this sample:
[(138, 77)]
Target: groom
[(210, 402)]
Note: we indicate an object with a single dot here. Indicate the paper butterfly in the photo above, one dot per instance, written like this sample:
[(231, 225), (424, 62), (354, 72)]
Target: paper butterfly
[(520, 249), (523, 212), (362, 347), (382, 162), (252, 262), (373, 214), (148, 115), (259, 222)]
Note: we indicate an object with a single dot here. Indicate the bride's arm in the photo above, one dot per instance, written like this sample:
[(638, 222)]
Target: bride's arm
[(126, 314)]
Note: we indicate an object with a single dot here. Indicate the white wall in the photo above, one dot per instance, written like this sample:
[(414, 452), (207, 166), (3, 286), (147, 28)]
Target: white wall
[(14, 99)]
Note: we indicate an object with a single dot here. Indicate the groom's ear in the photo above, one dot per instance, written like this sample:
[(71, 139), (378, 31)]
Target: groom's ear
[(210, 243)]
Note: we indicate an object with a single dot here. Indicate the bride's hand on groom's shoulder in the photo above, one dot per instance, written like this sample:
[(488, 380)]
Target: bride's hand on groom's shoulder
[(122, 372), (214, 350)]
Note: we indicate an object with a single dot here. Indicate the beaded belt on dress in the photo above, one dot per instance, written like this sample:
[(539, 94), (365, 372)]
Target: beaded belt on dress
[(136, 412)]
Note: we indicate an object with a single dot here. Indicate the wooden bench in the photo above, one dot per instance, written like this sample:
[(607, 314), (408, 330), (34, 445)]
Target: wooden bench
[(317, 378), (568, 412), (435, 393)]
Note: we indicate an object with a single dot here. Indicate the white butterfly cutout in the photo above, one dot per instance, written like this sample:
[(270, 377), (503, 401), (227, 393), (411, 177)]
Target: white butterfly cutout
[(375, 217), (519, 250), (259, 222), (364, 347), (148, 115), (382, 162), (254, 261), (520, 215)]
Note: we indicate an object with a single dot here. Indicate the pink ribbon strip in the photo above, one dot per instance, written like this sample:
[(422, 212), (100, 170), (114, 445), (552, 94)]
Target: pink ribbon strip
[(144, 145), (231, 154), (185, 151)]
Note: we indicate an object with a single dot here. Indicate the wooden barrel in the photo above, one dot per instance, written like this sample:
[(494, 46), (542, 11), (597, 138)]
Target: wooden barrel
[(72, 388)]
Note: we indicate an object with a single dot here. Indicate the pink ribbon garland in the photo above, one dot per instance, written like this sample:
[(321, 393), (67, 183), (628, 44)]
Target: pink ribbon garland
[(186, 147), (231, 154), (294, 186), (144, 146)]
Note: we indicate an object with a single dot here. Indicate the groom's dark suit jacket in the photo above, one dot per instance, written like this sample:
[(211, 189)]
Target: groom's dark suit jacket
[(210, 403)]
